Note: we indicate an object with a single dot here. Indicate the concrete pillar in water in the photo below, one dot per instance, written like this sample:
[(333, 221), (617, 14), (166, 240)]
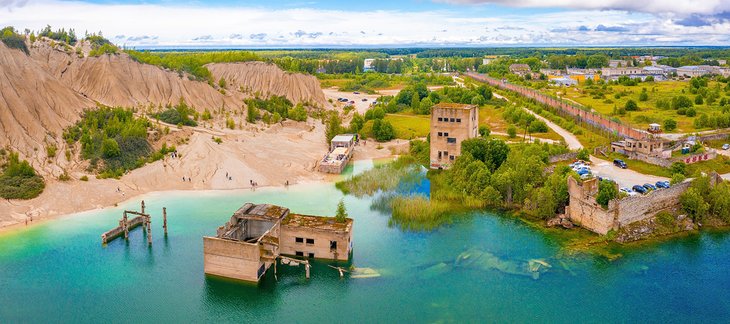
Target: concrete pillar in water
[(124, 226), (306, 270), (164, 219)]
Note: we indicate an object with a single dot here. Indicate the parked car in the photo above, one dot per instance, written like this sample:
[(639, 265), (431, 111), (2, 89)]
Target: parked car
[(649, 186), (355, 92), (725, 146), (662, 184), (364, 99), (586, 176), (600, 178), (628, 191), (639, 189), (620, 163)]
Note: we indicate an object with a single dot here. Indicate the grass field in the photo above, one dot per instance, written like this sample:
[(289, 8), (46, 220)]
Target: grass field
[(409, 126), (648, 112), (491, 116)]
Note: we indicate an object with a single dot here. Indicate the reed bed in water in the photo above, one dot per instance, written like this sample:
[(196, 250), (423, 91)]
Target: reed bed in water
[(419, 213), (381, 178)]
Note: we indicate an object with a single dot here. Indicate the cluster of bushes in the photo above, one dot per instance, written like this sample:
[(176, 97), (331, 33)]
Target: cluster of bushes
[(703, 202), (61, 35), (12, 39), (380, 129), (519, 116), (100, 46), (490, 173), (367, 82), (114, 140), (276, 109), (179, 114), (18, 179)]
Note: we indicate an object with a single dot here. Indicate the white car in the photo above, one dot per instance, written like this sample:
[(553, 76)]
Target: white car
[(725, 146), (628, 191)]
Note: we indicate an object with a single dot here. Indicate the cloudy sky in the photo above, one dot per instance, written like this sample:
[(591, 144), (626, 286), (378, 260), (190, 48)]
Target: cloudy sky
[(285, 23)]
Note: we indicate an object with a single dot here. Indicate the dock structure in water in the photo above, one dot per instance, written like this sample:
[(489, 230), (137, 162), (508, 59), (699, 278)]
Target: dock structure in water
[(257, 236), (341, 149), (126, 225)]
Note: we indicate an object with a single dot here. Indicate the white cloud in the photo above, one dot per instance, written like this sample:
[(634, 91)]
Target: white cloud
[(680, 7), (170, 24)]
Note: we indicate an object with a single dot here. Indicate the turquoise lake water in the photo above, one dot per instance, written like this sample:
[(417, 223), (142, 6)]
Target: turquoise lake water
[(59, 271)]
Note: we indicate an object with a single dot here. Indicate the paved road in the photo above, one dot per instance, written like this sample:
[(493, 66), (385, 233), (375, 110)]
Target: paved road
[(570, 139)]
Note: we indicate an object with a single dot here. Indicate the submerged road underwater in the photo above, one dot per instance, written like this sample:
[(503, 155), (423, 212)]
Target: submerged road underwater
[(483, 267)]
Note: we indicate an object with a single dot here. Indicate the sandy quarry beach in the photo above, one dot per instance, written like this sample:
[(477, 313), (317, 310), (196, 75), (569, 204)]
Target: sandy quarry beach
[(267, 156)]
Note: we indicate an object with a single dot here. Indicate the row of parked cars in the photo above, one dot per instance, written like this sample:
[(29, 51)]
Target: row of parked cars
[(642, 189), (583, 169), (345, 100)]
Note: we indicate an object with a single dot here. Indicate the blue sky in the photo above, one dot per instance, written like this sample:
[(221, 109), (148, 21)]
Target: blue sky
[(384, 23)]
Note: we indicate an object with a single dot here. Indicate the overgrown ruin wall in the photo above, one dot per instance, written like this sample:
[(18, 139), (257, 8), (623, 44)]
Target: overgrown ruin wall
[(584, 210)]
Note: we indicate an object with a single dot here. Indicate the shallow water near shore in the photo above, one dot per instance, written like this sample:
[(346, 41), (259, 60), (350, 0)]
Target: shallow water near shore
[(472, 270)]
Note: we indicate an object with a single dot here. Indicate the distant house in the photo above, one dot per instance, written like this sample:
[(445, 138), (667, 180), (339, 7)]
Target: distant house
[(693, 71), (618, 63), (367, 65), (564, 81), (549, 72), (520, 69)]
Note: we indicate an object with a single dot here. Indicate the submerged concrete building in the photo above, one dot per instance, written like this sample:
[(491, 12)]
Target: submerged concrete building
[(257, 235), (450, 125)]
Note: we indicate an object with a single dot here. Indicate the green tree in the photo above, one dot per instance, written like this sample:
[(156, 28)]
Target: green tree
[(341, 215), (334, 127), (222, 83), (678, 168), (484, 131), (606, 192), (299, 113), (252, 114), (356, 123), (643, 96), (491, 152), (382, 130), (691, 112), (720, 201), (426, 105), (512, 131), (681, 101), (670, 124), (694, 204), (584, 155), (631, 106), (699, 100), (415, 102), (677, 178), (110, 148)]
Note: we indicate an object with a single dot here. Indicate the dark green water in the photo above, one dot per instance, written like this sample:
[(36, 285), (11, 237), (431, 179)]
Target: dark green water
[(59, 272)]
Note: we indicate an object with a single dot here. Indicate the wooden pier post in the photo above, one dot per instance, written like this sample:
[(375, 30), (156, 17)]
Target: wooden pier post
[(164, 219), (142, 207), (124, 226), (149, 231)]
